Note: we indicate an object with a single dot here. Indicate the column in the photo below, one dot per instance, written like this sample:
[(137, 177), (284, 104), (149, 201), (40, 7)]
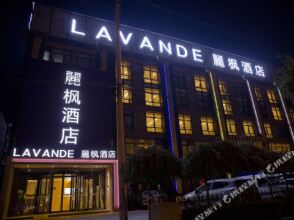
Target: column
[(170, 113)]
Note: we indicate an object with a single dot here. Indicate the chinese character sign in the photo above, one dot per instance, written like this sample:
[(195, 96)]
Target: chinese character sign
[(71, 109)]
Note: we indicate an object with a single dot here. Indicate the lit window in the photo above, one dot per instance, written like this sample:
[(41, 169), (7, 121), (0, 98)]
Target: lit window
[(268, 130), (185, 124), (231, 127), (276, 113), (227, 107), (258, 94), (127, 94), (271, 96), (207, 126), (223, 88), (279, 147), (46, 55), (153, 97), (151, 75), (291, 112), (154, 122), (248, 128), (126, 70), (200, 83)]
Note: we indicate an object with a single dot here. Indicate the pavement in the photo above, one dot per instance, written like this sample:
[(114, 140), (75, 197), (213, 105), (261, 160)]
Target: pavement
[(132, 215)]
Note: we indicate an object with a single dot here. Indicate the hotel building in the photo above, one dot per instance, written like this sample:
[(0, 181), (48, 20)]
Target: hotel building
[(176, 95)]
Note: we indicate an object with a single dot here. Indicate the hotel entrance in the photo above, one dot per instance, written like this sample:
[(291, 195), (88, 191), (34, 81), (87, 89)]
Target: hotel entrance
[(60, 189), (64, 192)]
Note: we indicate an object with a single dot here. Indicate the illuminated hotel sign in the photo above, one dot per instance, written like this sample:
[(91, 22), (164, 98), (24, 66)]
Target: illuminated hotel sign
[(64, 118), (71, 113), (63, 153), (157, 45)]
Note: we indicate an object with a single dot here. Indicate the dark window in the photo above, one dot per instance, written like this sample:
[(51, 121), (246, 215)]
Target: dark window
[(283, 131), (263, 107), (204, 101), (245, 108), (179, 81), (70, 57), (129, 119), (241, 90), (219, 185), (181, 97)]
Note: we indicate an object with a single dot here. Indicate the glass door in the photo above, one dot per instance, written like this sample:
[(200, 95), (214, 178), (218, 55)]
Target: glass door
[(30, 196), (56, 194), (44, 195), (68, 199)]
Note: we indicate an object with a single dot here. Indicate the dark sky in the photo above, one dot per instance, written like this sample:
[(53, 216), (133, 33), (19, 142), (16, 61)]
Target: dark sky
[(257, 29)]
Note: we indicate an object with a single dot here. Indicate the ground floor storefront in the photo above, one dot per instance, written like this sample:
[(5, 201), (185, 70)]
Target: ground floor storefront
[(39, 187)]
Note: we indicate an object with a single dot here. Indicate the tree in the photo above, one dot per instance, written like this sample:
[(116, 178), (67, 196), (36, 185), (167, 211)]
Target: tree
[(285, 77), (214, 159), (152, 166)]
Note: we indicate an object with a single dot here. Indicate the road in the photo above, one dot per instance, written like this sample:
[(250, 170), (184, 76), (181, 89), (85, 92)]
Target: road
[(133, 215)]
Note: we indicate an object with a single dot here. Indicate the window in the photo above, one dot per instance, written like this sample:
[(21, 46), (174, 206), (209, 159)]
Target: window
[(271, 96), (126, 70), (129, 119), (268, 130), (279, 147), (187, 147), (133, 144), (200, 83), (291, 113), (227, 107), (57, 55), (185, 124), (153, 97), (263, 107), (151, 75), (181, 97), (223, 88), (204, 101), (154, 122), (231, 127), (46, 55), (207, 126), (258, 94), (276, 113), (127, 94), (179, 81), (74, 58), (219, 185), (244, 106), (248, 128)]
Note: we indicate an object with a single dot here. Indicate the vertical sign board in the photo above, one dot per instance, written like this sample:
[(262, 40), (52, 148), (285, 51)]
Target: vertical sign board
[(66, 113)]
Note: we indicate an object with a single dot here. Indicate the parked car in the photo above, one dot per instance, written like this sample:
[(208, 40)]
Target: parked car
[(217, 188), (266, 187)]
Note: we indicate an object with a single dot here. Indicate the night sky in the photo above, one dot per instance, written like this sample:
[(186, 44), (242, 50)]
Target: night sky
[(256, 29)]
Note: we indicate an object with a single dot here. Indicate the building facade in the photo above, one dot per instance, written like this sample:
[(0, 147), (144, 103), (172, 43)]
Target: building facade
[(176, 95)]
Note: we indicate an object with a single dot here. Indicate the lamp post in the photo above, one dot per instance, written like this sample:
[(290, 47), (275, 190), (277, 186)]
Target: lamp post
[(123, 212)]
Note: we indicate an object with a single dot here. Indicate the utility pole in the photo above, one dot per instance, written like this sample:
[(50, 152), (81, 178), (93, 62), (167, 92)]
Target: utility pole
[(123, 212)]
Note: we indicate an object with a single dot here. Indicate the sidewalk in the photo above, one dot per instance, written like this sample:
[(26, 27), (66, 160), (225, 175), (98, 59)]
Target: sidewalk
[(133, 215)]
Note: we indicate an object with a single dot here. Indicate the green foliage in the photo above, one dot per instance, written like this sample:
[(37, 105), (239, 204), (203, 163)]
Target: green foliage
[(152, 166), (215, 159), (285, 77), (258, 158)]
